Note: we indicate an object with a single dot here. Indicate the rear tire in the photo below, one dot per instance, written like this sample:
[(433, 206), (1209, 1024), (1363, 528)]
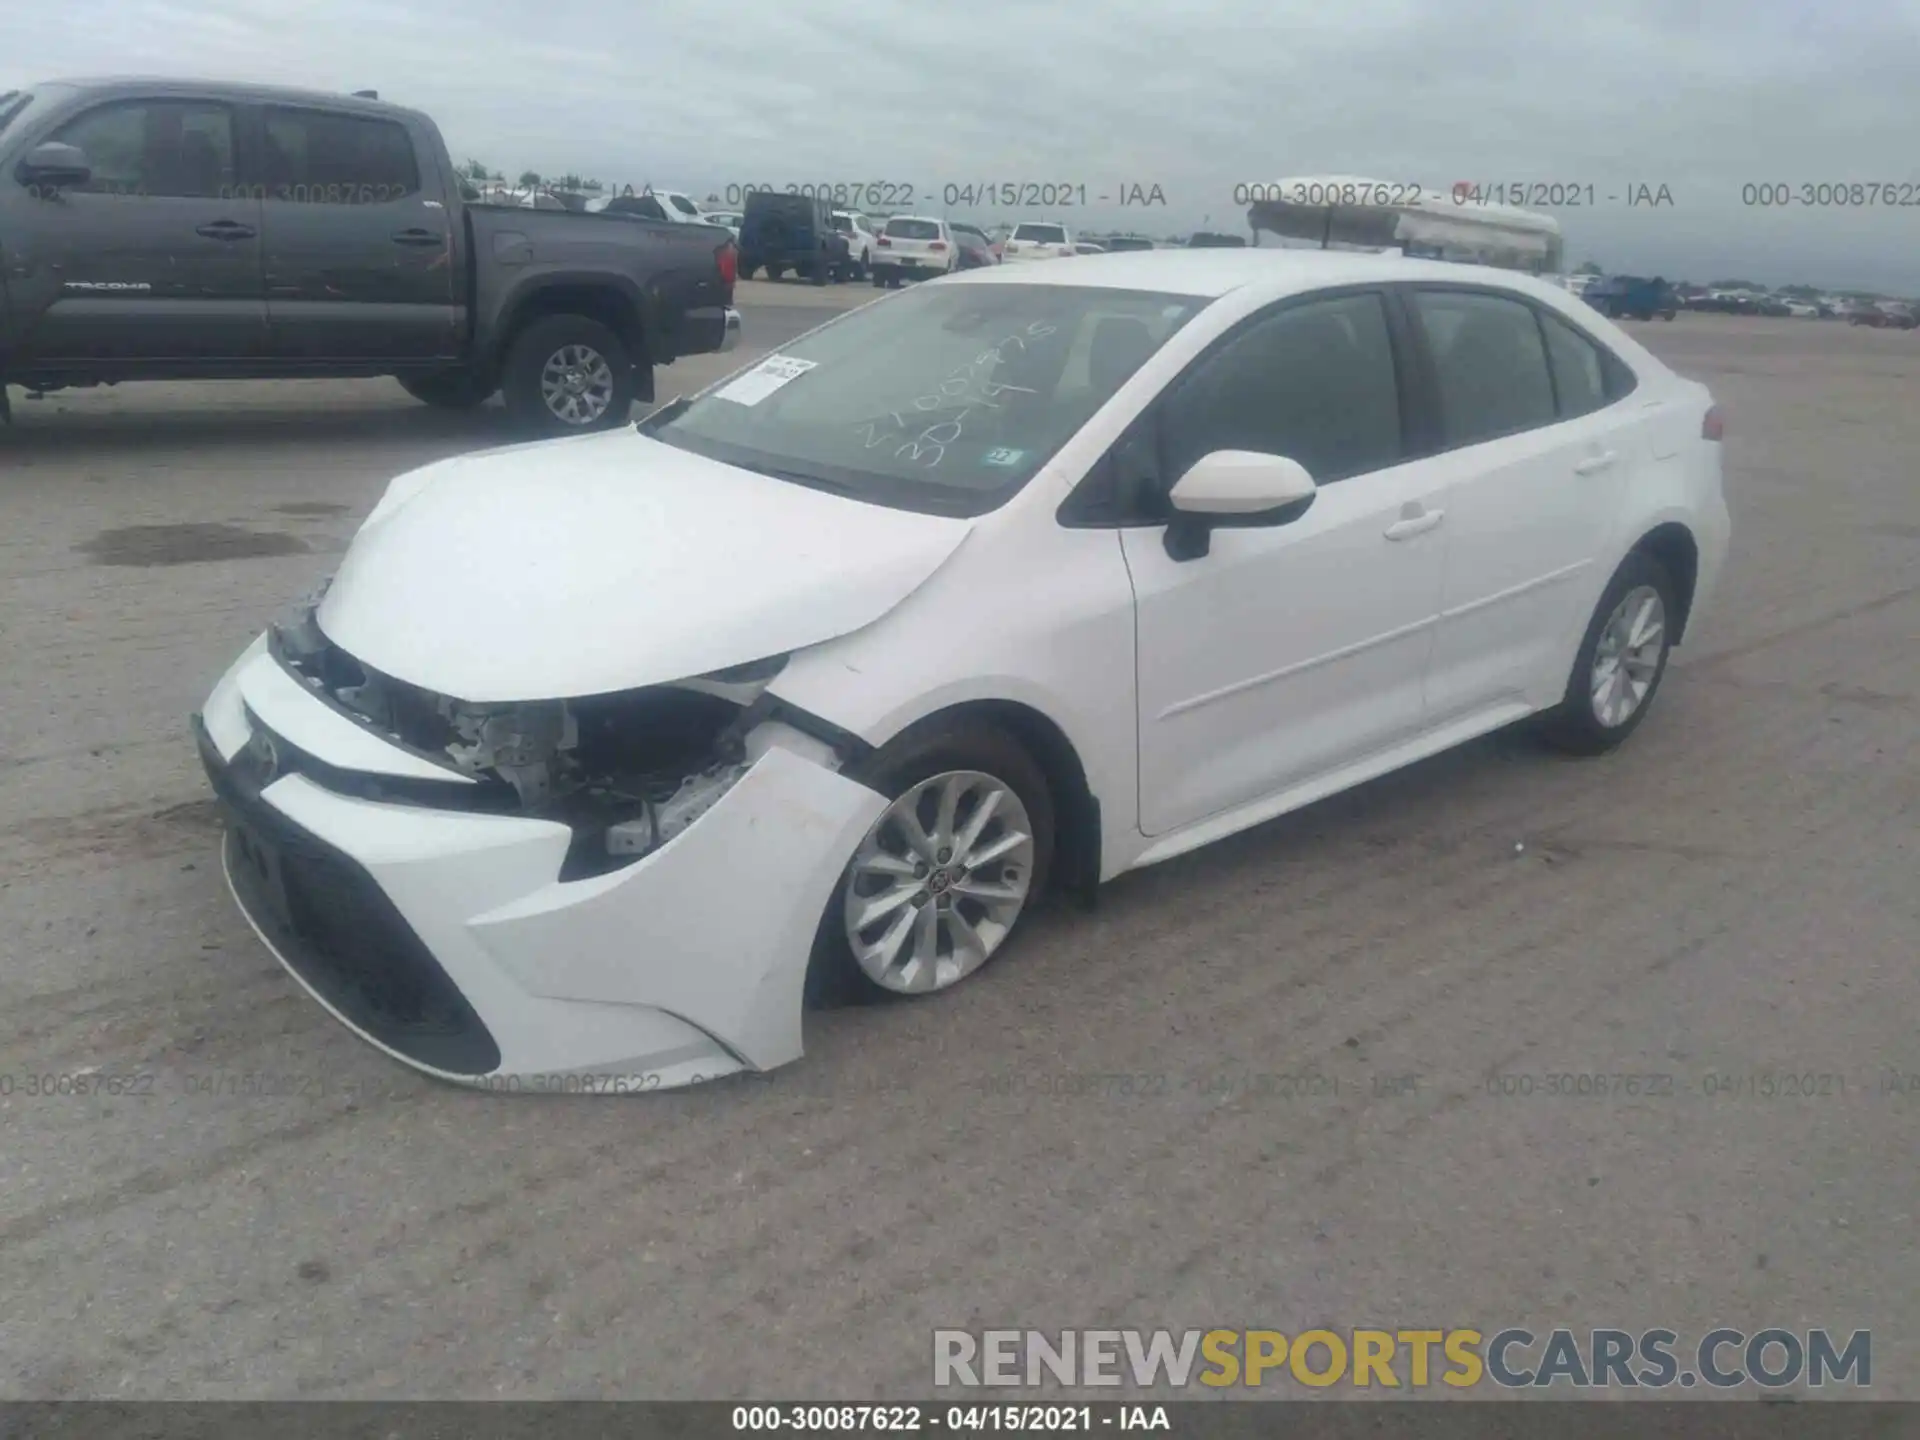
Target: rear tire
[(564, 366), (447, 389), (999, 762), (1590, 718)]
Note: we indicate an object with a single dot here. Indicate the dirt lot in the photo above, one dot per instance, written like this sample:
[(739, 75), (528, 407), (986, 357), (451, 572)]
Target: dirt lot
[(287, 1213)]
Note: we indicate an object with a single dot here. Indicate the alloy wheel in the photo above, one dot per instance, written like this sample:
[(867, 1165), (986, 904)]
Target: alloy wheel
[(577, 384), (1627, 656), (939, 882)]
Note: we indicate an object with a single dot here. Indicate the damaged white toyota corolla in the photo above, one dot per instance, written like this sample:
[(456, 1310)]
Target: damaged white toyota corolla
[(599, 756)]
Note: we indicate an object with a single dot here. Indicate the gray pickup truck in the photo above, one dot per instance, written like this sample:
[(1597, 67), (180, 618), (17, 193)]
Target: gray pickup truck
[(169, 230)]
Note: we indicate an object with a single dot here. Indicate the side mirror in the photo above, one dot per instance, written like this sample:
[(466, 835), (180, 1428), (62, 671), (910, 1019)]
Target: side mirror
[(53, 165), (1234, 489)]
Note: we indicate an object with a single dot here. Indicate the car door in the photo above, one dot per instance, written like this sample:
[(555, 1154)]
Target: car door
[(1288, 652), (1539, 446), (357, 245), (157, 257)]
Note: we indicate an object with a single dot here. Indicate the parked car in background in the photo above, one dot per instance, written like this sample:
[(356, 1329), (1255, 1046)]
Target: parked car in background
[(1579, 282), (976, 250), (1037, 240), (1241, 531), (1803, 310), (1213, 240), (1087, 247), (861, 240), (156, 211), (1884, 315), (914, 247), (1632, 297), (1127, 242), (780, 232), (730, 219)]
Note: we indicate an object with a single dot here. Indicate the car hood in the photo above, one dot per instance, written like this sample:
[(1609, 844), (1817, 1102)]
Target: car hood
[(608, 562)]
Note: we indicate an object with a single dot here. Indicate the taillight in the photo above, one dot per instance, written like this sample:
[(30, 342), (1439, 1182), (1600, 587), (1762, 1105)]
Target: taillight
[(728, 259), (883, 240), (938, 245), (1715, 424)]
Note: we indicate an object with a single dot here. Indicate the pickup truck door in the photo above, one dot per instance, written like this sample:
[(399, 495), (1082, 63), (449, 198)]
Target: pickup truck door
[(357, 242), (155, 259)]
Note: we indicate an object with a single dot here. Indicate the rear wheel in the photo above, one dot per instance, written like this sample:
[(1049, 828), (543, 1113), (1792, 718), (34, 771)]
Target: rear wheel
[(943, 878), (567, 375), (1621, 661)]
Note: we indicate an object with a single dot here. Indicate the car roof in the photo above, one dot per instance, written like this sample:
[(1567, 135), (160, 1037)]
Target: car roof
[(929, 219), (1212, 273), (109, 86)]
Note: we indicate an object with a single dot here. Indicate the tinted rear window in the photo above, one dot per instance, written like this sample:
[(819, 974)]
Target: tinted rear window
[(913, 229), (1044, 234)]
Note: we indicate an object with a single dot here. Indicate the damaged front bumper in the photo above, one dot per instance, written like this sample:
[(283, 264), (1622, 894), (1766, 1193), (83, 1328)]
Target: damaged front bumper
[(444, 933)]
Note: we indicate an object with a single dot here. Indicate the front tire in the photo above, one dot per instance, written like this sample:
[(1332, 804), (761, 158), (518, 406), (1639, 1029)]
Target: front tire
[(569, 375), (1620, 663), (946, 875)]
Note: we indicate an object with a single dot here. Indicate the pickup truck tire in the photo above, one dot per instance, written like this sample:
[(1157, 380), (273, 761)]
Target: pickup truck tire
[(568, 374), (448, 390)]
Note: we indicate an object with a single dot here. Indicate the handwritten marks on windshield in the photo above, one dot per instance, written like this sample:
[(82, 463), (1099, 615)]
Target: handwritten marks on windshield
[(967, 389)]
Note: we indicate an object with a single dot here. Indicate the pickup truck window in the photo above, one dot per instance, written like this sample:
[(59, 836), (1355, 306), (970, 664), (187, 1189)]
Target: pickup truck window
[(12, 102), (156, 147), (322, 157)]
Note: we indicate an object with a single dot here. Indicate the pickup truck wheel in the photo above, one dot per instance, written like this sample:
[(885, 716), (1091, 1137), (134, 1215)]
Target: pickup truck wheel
[(449, 390), (567, 374)]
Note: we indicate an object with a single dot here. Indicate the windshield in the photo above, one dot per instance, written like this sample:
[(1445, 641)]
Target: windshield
[(1045, 234), (946, 399), (683, 205), (913, 229)]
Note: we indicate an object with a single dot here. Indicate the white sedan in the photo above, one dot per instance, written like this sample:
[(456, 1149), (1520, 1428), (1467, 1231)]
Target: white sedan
[(599, 756)]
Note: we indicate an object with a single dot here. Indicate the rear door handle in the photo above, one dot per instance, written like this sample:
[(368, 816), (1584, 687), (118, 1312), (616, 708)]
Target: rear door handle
[(1409, 526), (418, 236), (1594, 464), (226, 230)]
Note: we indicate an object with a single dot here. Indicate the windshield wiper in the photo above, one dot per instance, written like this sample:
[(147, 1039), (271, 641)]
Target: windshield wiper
[(795, 477)]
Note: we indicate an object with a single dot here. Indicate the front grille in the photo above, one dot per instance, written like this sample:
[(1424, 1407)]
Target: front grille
[(334, 926)]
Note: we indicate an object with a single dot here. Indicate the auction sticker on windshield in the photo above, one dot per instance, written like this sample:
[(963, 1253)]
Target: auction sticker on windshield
[(765, 378)]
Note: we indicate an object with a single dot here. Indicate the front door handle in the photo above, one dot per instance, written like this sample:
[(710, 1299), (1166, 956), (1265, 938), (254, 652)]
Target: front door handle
[(418, 236), (1594, 464), (226, 230), (1408, 526)]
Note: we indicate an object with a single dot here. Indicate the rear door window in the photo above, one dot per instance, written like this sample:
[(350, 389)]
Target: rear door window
[(322, 157), (1490, 364), (913, 229), (1041, 234)]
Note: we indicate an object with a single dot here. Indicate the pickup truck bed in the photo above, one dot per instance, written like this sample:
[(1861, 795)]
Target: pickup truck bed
[(168, 229)]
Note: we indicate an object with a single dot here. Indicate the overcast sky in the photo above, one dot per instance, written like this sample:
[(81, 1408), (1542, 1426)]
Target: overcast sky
[(1701, 96)]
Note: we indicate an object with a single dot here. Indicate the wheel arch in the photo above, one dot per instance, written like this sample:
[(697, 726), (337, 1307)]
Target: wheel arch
[(1674, 546), (594, 298), (1077, 820)]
